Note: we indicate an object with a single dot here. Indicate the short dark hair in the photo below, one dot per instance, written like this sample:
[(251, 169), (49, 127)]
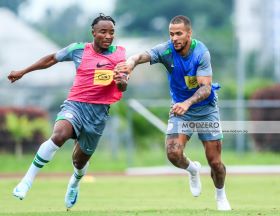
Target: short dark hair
[(181, 19), (102, 17)]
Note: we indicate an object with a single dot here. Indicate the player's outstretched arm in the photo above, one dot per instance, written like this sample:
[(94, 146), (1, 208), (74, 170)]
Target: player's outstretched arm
[(132, 62), (123, 69), (45, 62)]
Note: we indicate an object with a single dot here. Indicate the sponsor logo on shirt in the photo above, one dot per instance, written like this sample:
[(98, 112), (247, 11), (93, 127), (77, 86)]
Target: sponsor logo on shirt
[(102, 64), (103, 77), (191, 82)]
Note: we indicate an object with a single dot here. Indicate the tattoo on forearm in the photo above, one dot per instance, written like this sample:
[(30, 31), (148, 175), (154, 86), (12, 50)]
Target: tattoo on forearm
[(133, 61), (202, 93), (145, 57)]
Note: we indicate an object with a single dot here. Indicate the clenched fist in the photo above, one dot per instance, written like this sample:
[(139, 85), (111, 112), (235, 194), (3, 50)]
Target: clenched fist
[(15, 75), (121, 79)]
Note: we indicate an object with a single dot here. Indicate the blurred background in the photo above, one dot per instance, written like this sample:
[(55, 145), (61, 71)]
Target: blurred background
[(243, 39)]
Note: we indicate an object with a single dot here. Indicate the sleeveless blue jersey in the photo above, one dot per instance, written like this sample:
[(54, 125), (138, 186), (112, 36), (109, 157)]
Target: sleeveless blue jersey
[(182, 71), (182, 80)]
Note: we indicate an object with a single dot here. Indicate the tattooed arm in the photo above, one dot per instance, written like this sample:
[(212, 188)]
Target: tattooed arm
[(202, 93), (131, 62)]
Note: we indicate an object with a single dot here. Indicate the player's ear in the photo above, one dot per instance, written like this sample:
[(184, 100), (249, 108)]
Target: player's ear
[(190, 33)]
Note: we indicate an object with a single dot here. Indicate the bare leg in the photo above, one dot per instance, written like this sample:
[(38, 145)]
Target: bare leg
[(79, 158), (63, 130), (213, 155), (218, 172), (175, 144)]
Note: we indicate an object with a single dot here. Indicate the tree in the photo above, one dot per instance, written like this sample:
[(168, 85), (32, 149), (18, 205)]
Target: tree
[(142, 15), (67, 27), (21, 128), (211, 21), (13, 5)]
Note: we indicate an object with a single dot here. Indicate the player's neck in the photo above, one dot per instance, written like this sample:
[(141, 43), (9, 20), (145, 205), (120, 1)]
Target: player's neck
[(97, 48)]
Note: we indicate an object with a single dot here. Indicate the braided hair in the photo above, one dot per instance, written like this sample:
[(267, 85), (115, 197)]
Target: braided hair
[(102, 17)]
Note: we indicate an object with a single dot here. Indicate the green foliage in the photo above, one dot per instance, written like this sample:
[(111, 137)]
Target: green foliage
[(20, 127), (66, 27), (145, 135), (229, 88), (120, 108), (143, 13), (41, 126), (219, 41), (211, 21), (255, 84)]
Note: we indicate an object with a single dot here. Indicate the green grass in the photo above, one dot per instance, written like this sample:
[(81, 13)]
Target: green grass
[(102, 161), (144, 196)]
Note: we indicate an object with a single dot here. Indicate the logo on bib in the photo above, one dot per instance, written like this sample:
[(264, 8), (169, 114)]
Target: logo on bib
[(191, 82), (99, 65), (103, 77)]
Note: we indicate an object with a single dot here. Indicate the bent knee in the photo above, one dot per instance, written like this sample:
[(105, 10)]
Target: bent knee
[(59, 137), (216, 164), (174, 149), (79, 164), (174, 154)]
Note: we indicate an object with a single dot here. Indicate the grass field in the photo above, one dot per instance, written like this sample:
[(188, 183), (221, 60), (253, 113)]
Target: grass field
[(147, 196)]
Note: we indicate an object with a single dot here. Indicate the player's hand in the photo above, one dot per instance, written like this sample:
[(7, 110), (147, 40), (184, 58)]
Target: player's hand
[(15, 75), (180, 108), (122, 67), (121, 79)]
